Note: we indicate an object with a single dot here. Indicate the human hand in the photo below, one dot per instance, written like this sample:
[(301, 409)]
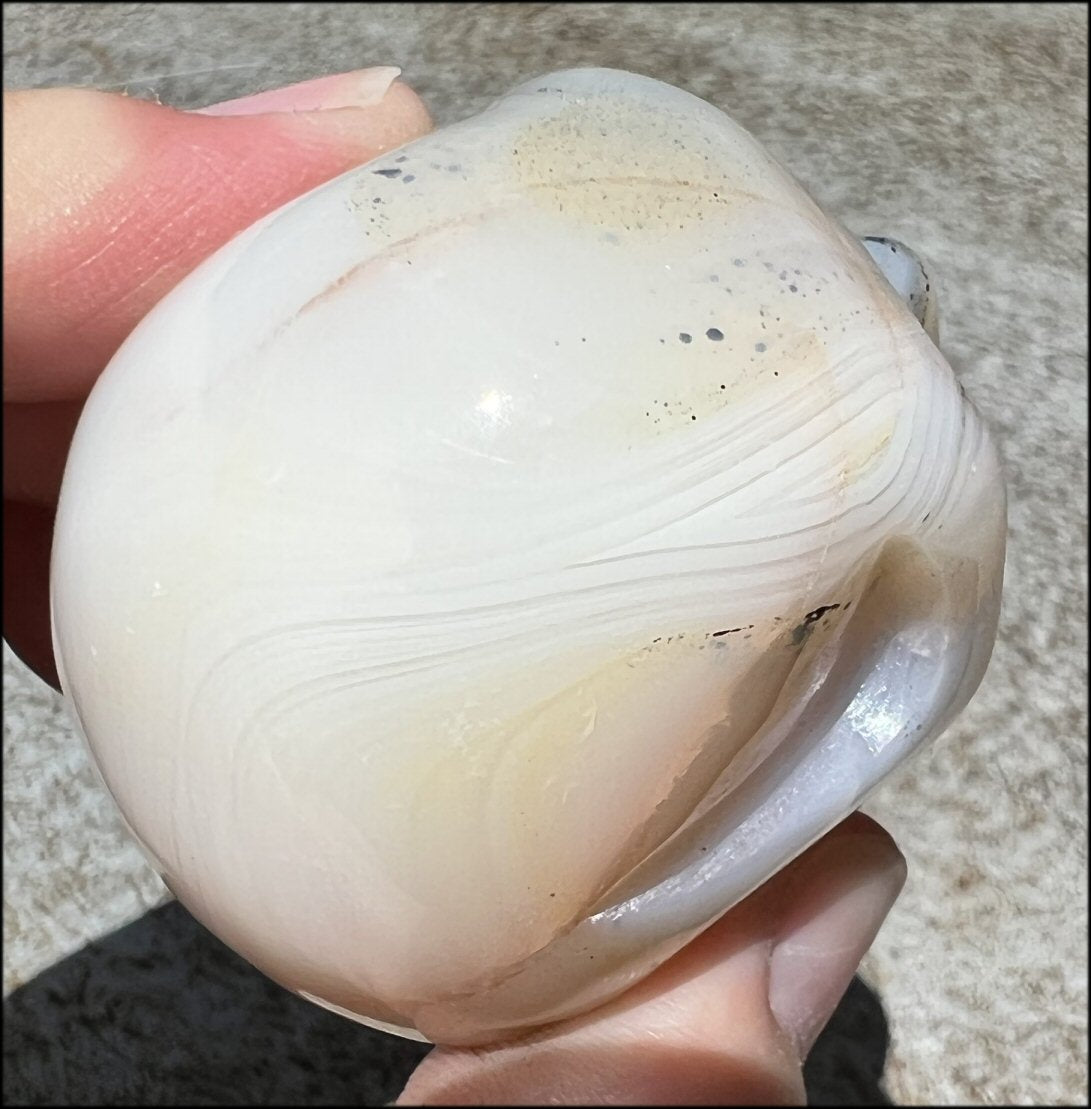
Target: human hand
[(727, 1021), (108, 203)]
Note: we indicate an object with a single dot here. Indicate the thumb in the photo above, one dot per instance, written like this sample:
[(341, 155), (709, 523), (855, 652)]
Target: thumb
[(110, 201), (727, 1021)]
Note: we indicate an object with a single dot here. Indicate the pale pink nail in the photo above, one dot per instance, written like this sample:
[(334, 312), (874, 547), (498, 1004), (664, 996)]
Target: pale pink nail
[(813, 963), (359, 89)]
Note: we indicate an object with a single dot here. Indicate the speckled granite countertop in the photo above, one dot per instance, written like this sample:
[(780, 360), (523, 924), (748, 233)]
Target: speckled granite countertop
[(961, 129)]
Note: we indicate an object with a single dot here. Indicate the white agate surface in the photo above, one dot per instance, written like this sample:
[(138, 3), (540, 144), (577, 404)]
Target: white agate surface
[(490, 567)]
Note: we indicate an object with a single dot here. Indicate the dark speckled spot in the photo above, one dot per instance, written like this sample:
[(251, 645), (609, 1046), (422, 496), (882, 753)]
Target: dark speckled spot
[(715, 334), (387, 172), (685, 336), (802, 631)]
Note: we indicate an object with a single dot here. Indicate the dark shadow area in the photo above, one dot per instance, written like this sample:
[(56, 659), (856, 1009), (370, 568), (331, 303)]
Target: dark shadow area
[(162, 1013), (846, 1064)]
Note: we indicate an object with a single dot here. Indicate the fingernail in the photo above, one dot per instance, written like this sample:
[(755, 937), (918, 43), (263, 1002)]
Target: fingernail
[(857, 879), (359, 89)]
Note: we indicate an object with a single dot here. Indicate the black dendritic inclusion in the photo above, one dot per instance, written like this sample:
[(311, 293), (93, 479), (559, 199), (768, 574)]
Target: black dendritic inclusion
[(803, 630)]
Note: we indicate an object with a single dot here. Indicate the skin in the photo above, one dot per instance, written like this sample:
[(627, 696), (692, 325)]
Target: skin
[(108, 203)]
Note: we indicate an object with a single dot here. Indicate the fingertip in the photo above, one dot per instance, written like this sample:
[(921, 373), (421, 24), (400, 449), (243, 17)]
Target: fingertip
[(728, 1020), (357, 133), (359, 88), (408, 110), (28, 536), (831, 904)]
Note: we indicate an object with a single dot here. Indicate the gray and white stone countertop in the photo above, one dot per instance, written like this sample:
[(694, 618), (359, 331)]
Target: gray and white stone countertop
[(960, 129)]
